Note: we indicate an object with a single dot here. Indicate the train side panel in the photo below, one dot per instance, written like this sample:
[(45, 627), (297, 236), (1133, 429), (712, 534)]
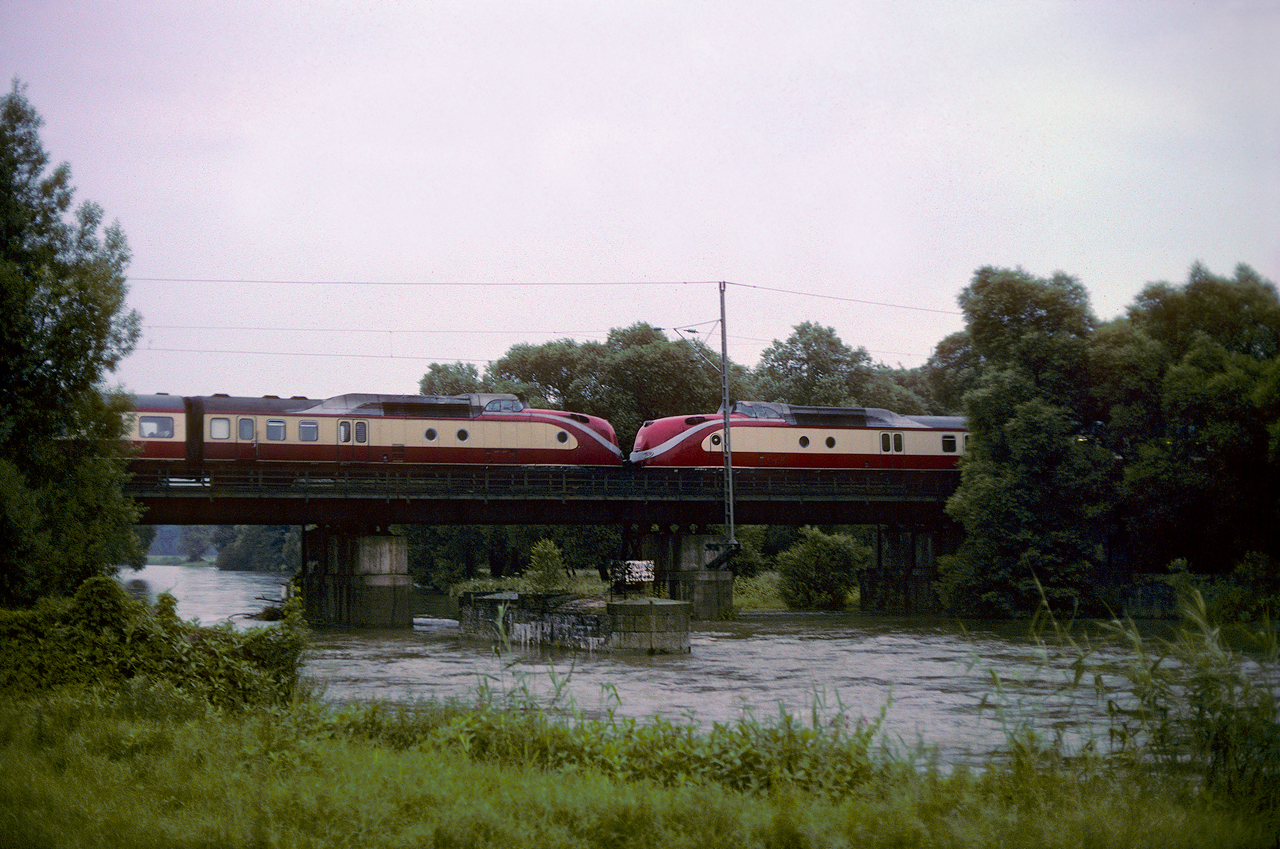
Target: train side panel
[(886, 441)]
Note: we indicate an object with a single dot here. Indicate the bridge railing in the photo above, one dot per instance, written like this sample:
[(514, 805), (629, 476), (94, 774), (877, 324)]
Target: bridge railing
[(396, 481)]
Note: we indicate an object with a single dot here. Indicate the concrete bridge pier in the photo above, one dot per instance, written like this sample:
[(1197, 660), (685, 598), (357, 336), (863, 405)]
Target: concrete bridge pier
[(680, 558), (356, 577)]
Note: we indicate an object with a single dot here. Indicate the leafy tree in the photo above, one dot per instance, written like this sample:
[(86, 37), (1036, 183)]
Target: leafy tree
[(262, 548), (63, 327), (1202, 482), (951, 371), (195, 541), (547, 572), (813, 367), (1035, 493), (819, 571), (450, 379)]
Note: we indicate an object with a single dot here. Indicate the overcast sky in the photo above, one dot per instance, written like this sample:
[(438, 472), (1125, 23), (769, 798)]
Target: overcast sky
[(325, 197)]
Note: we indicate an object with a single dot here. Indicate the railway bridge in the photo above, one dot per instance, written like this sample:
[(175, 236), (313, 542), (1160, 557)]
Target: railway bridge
[(354, 572)]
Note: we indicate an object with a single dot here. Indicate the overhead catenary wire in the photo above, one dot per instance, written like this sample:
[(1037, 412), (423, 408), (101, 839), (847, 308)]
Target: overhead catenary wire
[(493, 332)]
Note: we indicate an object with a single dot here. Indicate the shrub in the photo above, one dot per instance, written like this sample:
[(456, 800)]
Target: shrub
[(819, 571), (546, 572), (105, 638)]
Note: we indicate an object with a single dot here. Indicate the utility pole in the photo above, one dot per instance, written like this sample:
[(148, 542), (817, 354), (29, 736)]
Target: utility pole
[(730, 541)]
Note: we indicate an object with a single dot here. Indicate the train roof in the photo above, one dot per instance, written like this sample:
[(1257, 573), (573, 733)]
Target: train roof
[(354, 404), (805, 416)]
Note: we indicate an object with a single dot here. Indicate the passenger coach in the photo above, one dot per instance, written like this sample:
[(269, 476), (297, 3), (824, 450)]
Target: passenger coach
[(476, 428), (790, 436)]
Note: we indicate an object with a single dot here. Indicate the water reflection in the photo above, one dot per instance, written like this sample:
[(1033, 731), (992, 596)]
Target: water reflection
[(933, 673)]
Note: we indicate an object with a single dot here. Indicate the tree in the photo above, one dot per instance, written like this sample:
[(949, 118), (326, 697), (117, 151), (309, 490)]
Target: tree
[(1035, 494), (262, 548), (813, 367), (195, 541), (1194, 413), (819, 571), (63, 327), (450, 379), (547, 572)]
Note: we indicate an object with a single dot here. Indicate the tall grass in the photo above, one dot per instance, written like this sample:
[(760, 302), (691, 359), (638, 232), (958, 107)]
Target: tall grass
[(1188, 711), (144, 761), (158, 768)]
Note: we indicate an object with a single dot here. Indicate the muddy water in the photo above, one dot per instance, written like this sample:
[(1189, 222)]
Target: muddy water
[(933, 674)]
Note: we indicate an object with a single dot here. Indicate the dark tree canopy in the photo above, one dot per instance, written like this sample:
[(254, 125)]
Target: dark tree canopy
[(63, 327), (814, 367)]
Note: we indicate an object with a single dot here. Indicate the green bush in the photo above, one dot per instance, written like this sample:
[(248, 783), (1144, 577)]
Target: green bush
[(104, 638), (819, 571), (546, 573)]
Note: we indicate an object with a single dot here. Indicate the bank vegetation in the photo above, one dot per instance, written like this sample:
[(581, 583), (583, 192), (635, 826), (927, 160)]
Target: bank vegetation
[(121, 725)]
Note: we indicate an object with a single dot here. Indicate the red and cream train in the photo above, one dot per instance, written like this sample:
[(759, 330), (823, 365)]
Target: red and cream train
[(498, 429)]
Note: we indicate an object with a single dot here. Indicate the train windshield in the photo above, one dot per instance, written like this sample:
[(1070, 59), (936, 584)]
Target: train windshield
[(504, 405), (757, 411)]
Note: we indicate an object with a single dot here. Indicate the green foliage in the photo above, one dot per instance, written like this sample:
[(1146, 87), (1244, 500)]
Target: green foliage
[(62, 329), (149, 767), (546, 572), (262, 548), (1036, 495), (450, 379), (105, 638), (758, 592), (820, 570), (1204, 708), (814, 367)]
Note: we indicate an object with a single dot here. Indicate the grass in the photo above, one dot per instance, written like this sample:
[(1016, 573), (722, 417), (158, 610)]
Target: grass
[(154, 759), (152, 769)]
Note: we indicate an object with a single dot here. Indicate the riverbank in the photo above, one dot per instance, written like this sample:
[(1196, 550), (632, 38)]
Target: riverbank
[(151, 768)]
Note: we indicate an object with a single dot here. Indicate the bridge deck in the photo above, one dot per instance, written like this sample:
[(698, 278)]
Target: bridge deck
[(401, 494)]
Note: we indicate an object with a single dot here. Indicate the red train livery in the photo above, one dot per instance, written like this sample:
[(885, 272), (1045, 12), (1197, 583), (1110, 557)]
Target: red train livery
[(477, 428), (790, 436)]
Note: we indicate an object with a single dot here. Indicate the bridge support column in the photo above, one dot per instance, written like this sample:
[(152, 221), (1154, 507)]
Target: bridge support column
[(902, 573), (356, 577), (680, 559)]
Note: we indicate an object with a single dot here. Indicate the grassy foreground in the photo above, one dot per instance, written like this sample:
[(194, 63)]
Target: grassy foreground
[(121, 726), (149, 766)]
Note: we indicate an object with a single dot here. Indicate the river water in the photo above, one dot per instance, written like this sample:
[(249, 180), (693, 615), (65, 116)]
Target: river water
[(932, 674)]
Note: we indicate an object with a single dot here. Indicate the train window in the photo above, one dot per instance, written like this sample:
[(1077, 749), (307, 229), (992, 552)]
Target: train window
[(308, 431), (431, 434), (503, 405), (831, 442), (246, 430), (804, 442), (219, 428), (897, 442), (344, 432), (885, 443), (462, 436), (275, 430), (949, 443), (362, 432), (155, 427), (562, 437)]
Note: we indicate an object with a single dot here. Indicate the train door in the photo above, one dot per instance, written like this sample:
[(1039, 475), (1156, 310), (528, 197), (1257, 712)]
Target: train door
[(353, 440), (892, 449), (246, 433)]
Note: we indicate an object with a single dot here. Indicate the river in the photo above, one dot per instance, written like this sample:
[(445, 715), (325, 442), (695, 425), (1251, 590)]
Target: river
[(933, 673)]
